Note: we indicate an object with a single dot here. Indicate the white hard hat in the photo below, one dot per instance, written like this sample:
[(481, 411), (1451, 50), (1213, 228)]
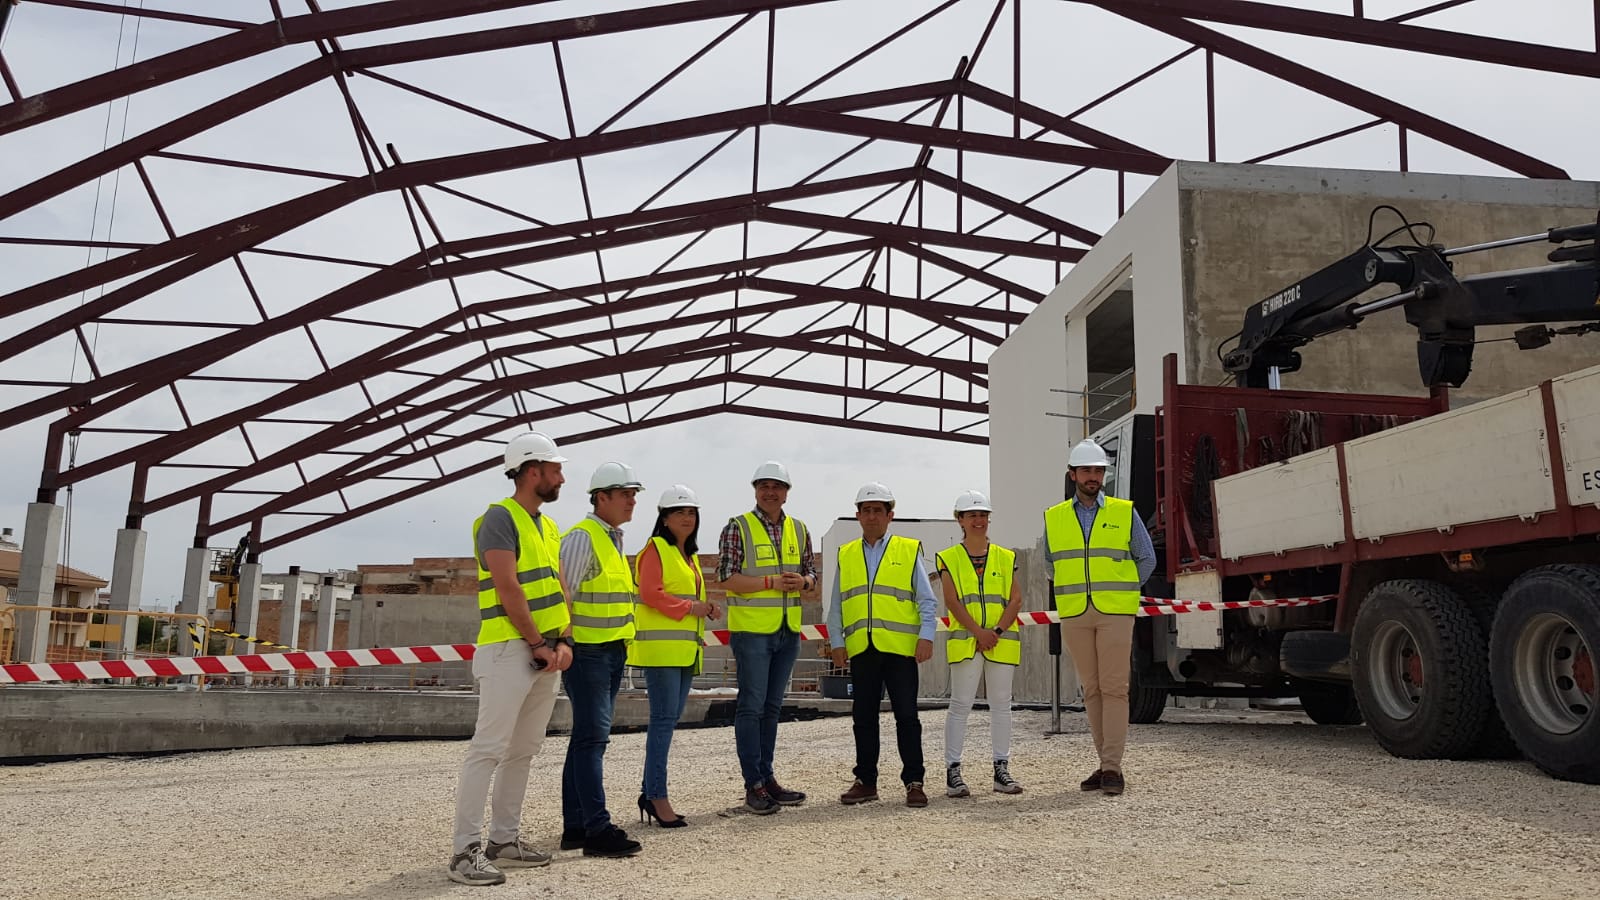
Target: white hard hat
[(772, 471), (1088, 453), (875, 492), (613, 475), (676, 497), (972, 501), (531, 446)]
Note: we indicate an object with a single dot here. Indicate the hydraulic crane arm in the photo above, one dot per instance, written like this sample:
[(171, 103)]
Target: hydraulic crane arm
[(1444, 309)]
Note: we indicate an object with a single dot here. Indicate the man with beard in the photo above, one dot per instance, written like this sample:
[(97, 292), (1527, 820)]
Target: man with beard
[(524, 644), (1098, 556)]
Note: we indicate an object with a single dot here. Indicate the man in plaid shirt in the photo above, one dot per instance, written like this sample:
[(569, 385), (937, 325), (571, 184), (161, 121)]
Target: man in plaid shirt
[(766, 560)]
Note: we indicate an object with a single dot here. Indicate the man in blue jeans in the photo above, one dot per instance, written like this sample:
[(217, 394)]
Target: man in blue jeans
[(766, 561), (602, 622)]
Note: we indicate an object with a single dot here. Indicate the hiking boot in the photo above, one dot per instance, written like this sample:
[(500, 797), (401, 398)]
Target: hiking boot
[(1092, 783), (516, 855), (783, 795), (858, 793), (759, 801), (1111, 783), (1003, 782), (470, 866), (613, 842), (916, 798), (954, 786), (572, 838)]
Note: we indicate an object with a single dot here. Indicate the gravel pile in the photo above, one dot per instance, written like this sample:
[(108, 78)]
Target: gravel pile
[(1220, 804)]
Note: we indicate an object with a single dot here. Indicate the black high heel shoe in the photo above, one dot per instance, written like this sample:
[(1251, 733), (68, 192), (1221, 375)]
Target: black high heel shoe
[(648, 809)]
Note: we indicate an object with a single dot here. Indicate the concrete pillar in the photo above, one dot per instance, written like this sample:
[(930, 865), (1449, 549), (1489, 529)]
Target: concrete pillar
[(247, 609), (196, 596), (358, 611), (36, 580), (326, 607), (289, 622), (127, 583)]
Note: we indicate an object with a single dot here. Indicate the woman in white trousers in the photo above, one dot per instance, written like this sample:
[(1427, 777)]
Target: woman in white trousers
[(983, 597)]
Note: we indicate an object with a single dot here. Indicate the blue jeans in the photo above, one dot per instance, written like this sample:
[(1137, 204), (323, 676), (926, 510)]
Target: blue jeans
[(669, 694), (591, 684), (764, 661)]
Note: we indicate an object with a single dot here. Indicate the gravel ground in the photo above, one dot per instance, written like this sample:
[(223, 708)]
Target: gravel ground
[(1220, 804)]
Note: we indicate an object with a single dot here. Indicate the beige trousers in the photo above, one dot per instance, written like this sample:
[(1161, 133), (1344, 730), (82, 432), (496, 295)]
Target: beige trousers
[(1100, 646), (514, 706)]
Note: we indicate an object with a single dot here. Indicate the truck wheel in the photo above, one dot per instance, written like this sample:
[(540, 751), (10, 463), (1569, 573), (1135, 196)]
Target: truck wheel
[(1482, 601), (1330, 704), (1542, 656), (1145, 704), (1421, 673)]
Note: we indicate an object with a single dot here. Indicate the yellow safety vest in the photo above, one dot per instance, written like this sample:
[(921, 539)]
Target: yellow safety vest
[(662, 641), (602, 607), (986, 603), (1104, 571), (762, 612), (538, 571), (881, 611)]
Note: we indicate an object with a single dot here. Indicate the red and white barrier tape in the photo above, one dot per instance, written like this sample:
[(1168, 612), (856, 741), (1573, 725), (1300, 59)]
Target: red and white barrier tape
[(260, 664), (269, 663)]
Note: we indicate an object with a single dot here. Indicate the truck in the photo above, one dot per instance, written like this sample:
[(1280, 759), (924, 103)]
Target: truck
[(1455, 551)]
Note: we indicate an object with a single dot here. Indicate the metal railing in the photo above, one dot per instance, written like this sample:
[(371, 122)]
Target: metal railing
[(1110, 402), (126, 647)]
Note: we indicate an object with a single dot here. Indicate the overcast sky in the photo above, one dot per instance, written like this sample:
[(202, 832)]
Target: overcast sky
[(1072, 53)]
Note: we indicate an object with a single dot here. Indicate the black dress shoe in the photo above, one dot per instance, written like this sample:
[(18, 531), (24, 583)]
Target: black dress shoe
[(572, 839)]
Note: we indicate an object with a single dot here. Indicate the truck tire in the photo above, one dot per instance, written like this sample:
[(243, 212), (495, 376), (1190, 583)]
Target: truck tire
[(1420, 670), (1541, 657), (1316, 655), (1145, 704), (1330, 704), (1482, 601)]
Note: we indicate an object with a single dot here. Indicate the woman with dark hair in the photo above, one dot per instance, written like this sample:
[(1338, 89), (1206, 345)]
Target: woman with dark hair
[(670, 627)]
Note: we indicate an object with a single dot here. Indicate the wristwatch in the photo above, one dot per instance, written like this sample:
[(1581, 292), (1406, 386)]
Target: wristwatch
[(999, 631)]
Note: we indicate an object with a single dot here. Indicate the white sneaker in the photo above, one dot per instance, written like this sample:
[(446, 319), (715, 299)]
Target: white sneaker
[(471, 866), (516, 855)]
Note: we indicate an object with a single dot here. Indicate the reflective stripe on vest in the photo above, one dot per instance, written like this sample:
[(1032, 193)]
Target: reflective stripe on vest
[(538, 571), (762, 612), (1104, 571), (880, 610), (661, 640), (987, 608), (602, 607)]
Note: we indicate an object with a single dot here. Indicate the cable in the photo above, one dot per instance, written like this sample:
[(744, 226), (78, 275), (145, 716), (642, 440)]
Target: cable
[(1224, 341), (1406, 225)]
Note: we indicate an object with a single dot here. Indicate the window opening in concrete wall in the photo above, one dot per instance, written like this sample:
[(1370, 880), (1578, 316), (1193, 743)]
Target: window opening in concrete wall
[(1109, 391)]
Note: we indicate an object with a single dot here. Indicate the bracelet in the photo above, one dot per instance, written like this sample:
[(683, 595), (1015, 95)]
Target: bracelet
[(766, 582)]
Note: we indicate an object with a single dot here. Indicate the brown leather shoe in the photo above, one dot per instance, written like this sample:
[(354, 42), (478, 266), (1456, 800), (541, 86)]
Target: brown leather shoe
[(858, 793), (1093, 782), (1111, 782), (916, 798)]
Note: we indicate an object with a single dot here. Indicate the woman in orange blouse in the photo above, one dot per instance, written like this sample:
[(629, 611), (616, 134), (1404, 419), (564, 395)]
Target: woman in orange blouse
[(670, 627)]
